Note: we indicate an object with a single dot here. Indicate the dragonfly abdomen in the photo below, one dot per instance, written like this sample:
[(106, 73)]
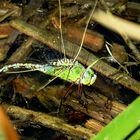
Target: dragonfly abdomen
[(23, 66)]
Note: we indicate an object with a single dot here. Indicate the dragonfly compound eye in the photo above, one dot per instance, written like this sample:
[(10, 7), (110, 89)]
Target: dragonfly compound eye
[(93, 79), (88, 77)]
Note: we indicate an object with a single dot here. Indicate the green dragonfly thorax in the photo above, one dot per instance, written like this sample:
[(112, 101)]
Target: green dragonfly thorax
[(75, 73)]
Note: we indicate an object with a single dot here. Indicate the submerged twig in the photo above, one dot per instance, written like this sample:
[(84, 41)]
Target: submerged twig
[(8, 9), (93, 40), (23, 51), (133, 48), (48, 121), (10, 35)]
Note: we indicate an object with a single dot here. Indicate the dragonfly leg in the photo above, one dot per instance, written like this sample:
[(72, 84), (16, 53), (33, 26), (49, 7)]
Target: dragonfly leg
[(82, 98), (79, 90), (67, 92), (64, 97)]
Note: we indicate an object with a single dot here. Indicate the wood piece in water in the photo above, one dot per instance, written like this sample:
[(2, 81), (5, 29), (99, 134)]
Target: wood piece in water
[(5, 30), (93, 40), (3, 51), (92, 124), (10, 10), (21, 52), (6, 33), (48, 121), (119, 53)]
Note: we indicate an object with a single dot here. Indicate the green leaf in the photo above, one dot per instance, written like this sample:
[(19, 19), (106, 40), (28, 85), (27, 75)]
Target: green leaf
[(123, 124)]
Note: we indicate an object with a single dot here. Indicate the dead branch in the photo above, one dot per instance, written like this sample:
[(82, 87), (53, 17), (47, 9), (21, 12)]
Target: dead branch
[(21, 52), (93, 40), (48, 121)]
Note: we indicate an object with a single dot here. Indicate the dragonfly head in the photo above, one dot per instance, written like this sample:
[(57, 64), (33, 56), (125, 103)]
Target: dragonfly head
[(88, 77)]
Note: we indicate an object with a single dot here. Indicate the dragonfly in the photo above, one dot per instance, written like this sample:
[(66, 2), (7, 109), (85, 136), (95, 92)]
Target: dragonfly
[(66, 69)]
